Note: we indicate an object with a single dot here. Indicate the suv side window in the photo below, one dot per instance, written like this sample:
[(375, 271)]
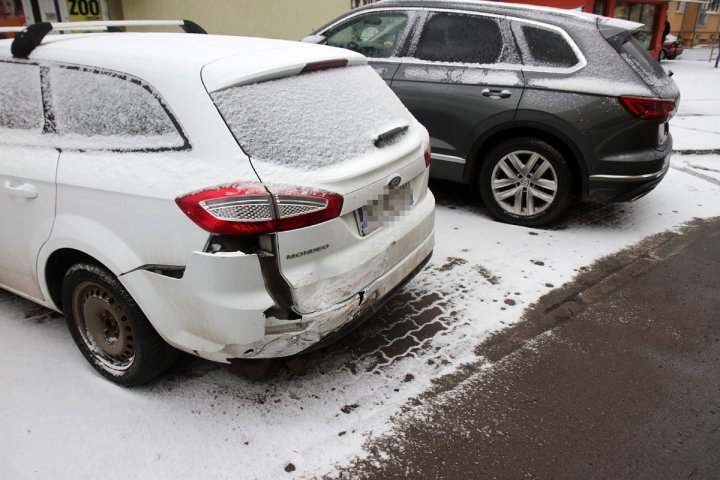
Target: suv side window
[(109, 110), (542, 47), (376, 34), (460, 38), (21, 105)]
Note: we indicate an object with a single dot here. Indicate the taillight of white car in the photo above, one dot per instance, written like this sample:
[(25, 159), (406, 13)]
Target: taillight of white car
[(251, 209), (426, 150)]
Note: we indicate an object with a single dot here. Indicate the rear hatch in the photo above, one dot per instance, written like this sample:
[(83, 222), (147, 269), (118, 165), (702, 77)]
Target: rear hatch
[(620, 34), (320, 120)]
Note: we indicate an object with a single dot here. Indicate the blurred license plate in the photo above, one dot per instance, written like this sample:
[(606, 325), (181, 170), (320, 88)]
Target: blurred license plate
[(385, 209), (365, 225)]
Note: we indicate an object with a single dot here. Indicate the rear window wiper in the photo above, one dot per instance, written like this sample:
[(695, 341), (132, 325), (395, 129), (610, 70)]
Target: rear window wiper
[(384, 138)]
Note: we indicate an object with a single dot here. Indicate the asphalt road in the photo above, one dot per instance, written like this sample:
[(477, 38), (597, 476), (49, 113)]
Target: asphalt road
[(614, 377)]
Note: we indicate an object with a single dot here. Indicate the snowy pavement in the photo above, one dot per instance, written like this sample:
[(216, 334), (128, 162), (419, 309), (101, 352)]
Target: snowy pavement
[(59, 419), (697, 123)]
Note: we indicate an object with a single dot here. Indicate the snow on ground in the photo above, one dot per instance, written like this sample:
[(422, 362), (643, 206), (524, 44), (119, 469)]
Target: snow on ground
[(697, 123), (703, 166), (59, 419)]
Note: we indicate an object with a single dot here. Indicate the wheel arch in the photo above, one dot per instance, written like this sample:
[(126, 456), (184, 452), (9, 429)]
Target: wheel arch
[(57, 265), (567, 147)]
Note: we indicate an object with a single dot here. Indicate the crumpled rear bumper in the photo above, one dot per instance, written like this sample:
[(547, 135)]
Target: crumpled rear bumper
[(217, 310), (312, 331)]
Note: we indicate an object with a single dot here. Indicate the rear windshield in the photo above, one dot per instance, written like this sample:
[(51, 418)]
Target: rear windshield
[(312, 120), (644, 65)]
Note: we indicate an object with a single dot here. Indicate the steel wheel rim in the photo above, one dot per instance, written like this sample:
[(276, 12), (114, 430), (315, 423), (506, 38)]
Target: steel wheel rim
[(104, 327), (524, 183)]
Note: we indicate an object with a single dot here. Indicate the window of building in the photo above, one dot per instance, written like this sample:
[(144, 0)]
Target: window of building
[(702, 19)]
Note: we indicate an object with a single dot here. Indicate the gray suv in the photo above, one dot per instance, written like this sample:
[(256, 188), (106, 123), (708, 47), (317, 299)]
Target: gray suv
[(535, 106)]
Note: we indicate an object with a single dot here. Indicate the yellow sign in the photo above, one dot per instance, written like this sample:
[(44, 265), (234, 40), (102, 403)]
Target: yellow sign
[(84, 10)]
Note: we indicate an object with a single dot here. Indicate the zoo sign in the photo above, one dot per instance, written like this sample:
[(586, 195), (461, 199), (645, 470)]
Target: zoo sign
[(84, 10)]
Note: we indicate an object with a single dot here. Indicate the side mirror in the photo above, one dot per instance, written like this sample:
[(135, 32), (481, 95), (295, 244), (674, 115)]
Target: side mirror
[(317, 39)]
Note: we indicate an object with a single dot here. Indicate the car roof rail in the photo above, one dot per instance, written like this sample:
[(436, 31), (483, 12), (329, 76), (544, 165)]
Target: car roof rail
[(28, 38)]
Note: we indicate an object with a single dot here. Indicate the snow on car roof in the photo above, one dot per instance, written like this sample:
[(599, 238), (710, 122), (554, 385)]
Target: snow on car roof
[(572, 13), (136, 52), (588, 17)]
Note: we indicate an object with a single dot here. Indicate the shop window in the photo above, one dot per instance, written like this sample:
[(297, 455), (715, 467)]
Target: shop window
[(599, 7), (638, 12)]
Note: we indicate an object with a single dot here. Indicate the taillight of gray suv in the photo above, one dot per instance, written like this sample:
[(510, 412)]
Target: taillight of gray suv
[(535, 106)]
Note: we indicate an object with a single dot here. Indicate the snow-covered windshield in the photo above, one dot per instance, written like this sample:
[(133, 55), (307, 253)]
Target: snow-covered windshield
[(312, 120)]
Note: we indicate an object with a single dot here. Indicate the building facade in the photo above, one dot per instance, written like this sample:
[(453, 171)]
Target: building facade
[(695, 22), (286, 19)]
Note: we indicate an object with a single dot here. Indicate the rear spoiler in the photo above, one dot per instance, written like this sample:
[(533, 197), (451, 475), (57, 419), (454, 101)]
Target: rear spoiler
[(616, 31), (29, 38), (259, 67)]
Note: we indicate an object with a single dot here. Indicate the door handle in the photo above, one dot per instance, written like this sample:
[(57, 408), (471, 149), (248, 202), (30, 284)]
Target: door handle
[(486, 92), (24, 190)]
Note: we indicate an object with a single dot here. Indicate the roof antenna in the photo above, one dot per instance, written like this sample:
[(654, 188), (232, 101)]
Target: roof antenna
[(26, 41)]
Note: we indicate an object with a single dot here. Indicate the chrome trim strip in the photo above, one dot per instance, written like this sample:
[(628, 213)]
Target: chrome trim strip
[(631, 178), (582, 61), (447, 158)]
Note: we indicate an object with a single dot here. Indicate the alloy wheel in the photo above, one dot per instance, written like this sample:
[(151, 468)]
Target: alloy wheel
[(524, 183)]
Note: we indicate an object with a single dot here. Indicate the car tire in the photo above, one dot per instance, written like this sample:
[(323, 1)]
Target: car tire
[(525, 181), (663, 55), (110, 329)]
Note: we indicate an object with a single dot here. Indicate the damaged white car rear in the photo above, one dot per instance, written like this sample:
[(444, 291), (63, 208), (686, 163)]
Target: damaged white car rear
[(229, 197)]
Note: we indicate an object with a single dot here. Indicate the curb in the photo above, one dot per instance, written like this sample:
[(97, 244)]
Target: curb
[(711, 151)]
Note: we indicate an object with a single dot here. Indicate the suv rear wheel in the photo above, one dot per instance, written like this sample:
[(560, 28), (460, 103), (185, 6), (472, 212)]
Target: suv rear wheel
[(110, 329), (525, 181)]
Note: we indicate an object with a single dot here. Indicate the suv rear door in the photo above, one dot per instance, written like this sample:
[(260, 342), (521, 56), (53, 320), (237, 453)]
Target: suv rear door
[(27, 178), (461, 77)]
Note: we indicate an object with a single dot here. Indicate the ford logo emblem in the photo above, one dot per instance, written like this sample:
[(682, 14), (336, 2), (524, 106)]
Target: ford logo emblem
[(394, 182)]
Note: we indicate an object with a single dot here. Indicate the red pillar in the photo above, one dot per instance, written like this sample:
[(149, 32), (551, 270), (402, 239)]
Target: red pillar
[(610, 8)]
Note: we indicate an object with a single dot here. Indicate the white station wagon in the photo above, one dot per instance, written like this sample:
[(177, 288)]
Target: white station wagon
[(229, 197)]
